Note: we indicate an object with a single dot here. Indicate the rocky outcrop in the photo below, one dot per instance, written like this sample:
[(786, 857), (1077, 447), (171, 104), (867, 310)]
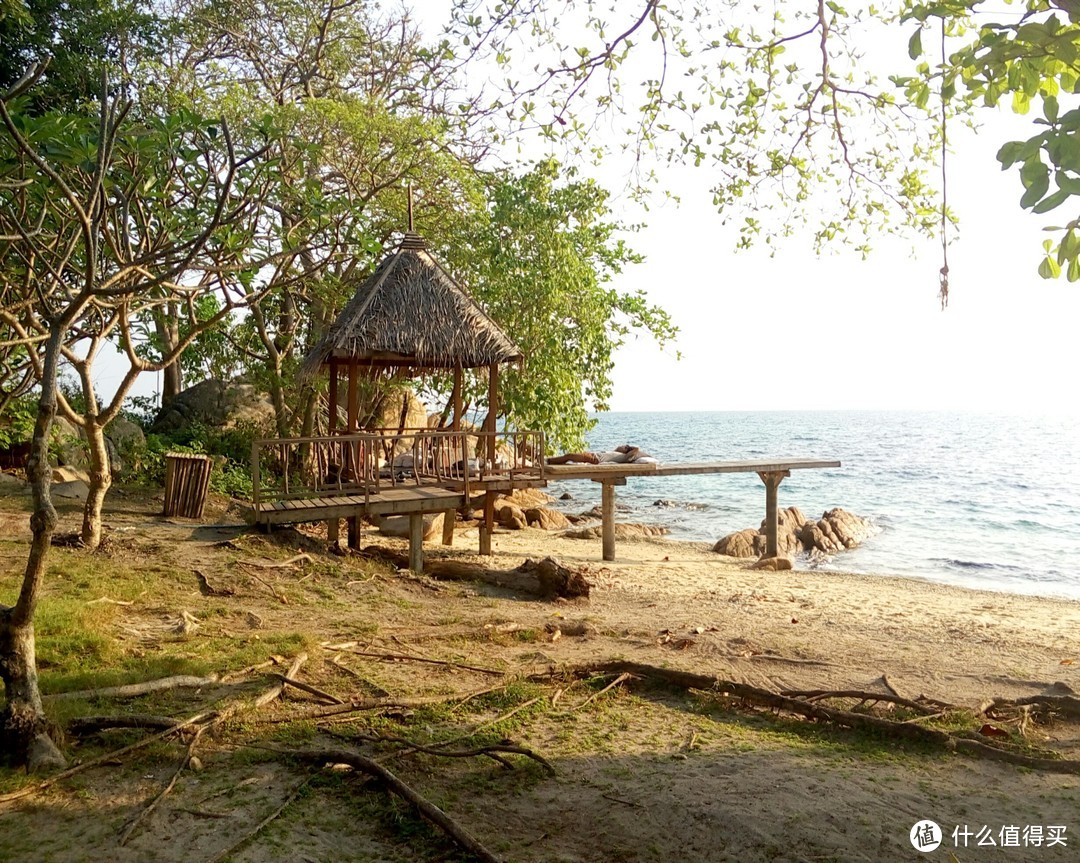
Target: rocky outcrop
[(622, 531), (218, 404), (743, 543), (511, 517), (546, 519), (835, 531)]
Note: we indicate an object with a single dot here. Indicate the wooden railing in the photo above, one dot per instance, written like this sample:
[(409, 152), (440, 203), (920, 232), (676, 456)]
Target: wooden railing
[(366, 463)]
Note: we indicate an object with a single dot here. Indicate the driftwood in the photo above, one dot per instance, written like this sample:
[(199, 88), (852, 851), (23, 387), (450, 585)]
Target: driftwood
[(406, 657), (547, 578), (82, 725), (428, 810), (313, 690), (132, 690)]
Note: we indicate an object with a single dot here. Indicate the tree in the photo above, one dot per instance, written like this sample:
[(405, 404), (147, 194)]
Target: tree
[(100, 216), (542, 258)]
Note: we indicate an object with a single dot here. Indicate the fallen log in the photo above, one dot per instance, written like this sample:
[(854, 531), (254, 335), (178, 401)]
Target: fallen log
[(546, 578)]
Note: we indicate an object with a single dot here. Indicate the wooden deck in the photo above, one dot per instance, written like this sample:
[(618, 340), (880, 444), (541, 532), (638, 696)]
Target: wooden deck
[(771, 471), (415, 500)]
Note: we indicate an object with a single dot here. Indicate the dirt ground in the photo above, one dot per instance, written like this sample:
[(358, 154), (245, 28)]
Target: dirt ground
[(642, 772)]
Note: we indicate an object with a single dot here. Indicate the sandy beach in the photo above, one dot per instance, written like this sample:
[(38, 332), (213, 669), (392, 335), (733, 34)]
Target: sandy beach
[(641, 774)]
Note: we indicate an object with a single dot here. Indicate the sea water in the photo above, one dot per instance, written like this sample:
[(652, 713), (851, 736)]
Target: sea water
[(979, 500)]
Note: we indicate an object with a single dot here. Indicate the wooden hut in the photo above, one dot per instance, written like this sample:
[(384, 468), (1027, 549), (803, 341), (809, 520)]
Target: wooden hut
[(409, 317)]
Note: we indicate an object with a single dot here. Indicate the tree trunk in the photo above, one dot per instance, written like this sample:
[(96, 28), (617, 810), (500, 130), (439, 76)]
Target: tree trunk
[(168, 332), (100, 482), (24, 726)]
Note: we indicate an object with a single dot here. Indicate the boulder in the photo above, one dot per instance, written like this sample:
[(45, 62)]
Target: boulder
[(389, 416), (744, 543), (511, 517), (218, 404), (125, 435), (546, 519), (622, 531), (66, 474), (74, 490), (835, 531), (529, 497), (398, 525)]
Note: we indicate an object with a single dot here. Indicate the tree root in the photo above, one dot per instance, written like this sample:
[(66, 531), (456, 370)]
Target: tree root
[(428, 810), (83, 725), (816, 712)]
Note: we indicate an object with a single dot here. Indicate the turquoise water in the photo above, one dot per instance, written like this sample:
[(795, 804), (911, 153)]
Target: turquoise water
[(990, 501)]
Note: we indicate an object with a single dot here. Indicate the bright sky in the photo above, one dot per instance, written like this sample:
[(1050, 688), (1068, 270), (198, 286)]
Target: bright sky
[(798, 332)]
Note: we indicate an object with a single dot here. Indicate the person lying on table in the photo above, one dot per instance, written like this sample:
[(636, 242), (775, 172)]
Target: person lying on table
[(624, 454)]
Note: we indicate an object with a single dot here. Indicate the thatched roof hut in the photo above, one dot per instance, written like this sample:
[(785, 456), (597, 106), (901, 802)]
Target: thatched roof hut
[(410, 314)]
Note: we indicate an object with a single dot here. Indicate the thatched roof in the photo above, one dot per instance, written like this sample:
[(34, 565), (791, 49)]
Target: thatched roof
[(410, 312)]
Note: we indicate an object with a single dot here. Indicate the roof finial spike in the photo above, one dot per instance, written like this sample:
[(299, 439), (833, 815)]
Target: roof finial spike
[(410, 210)]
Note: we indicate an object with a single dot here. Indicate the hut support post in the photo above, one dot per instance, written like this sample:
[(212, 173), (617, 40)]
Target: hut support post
[(332, 418), (772, 480), (487, 526), (332, 526), (416, 542), (455, 425), (607, 509)]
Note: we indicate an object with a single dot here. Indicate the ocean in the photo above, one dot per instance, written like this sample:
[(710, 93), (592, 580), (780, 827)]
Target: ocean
[(978, 500)]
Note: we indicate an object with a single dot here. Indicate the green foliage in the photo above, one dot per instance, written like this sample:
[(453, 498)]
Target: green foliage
[(1034, 60), (542, 259), (17, 421)]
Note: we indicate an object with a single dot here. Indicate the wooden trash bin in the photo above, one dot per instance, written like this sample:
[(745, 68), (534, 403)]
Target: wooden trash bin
[(187, 479)]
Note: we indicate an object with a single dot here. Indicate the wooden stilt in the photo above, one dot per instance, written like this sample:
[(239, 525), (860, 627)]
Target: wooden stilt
[(332, 527), (416, 542), (487, 526), (772, 480), (607, 509), (354, 531), (448, 526)]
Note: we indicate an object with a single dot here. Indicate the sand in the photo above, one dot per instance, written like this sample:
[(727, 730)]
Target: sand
[(644, 776)]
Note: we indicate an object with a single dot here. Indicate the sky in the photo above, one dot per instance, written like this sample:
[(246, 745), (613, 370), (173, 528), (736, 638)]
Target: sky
[(801, 332)]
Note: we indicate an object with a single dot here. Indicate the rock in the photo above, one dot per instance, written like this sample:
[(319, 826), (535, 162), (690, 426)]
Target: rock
[(836, 530), (389, 416), (622, 531), (667, 504), (529, 497), (744, 543), (74, 490), (66, 473), (398, 525), (510, 516), (773, 564), (123, 438), (217, 404), (546, 519), (566, 496), (10, 480)]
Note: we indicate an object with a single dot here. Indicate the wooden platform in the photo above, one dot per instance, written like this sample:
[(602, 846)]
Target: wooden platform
[(771, 471), (415, 500)]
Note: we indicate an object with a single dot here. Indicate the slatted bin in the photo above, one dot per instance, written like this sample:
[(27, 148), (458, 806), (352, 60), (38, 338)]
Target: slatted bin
[(187, 479)]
